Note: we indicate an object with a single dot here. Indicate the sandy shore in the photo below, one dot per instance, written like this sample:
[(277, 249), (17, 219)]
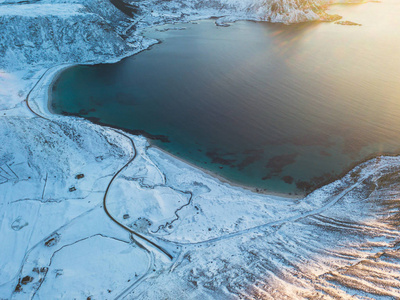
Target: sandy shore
[(227, 181), (54, 78), (55, 75)]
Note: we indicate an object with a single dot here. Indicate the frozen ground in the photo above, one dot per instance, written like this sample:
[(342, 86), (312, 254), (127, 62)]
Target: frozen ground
[(88, 212)]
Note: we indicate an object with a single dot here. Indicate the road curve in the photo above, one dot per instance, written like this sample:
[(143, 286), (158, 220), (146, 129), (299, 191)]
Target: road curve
[(112, 218), (161, 249)]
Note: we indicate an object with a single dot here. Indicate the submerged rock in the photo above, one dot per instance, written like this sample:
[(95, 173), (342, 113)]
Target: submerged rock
[(330, 18), (348, 23)]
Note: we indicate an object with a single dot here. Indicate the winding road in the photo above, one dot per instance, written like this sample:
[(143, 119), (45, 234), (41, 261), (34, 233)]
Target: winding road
[(153, 243), (163, 250), (138, 235)]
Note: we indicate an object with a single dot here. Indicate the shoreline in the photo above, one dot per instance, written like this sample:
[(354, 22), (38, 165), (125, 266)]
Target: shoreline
[(260, 191), (55, 77), (227, 181), (166, 225), (300, 195)]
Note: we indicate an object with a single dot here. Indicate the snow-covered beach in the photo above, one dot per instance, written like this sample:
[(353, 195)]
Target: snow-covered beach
[(341, 241)]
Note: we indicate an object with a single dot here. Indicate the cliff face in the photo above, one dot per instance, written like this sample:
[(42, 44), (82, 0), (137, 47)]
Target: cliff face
[(283, 11), (56, 33), (340, 242)]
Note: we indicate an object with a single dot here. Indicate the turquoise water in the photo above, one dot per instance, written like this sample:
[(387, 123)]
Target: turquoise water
[(281, 108)]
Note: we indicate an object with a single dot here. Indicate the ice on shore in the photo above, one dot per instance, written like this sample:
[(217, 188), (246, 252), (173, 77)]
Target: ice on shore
[(57, 241)]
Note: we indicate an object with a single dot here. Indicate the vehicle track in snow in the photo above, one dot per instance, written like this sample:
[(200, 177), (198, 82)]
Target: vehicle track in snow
[(294, 218), (134, 151), (150, 243)]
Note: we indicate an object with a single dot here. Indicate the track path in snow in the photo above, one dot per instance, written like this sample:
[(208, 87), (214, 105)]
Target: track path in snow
[(294, 218), (148, 241), (153, 243)]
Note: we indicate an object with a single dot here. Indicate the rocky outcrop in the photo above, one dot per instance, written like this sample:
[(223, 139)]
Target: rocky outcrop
[(56, 33)]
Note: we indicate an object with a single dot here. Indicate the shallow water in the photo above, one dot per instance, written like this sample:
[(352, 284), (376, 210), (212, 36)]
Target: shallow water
[(281, 108)]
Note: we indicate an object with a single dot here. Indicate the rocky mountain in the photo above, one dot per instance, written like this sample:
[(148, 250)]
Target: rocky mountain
[(49, 31), (89, 212)]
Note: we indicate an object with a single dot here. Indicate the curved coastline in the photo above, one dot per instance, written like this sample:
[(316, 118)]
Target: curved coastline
[(49, 77), (341, 241), (261, 191), (147, 240), (49, 112), (55, 74)]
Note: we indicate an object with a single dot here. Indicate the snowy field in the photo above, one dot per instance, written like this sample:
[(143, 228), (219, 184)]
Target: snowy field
[(88, 212)]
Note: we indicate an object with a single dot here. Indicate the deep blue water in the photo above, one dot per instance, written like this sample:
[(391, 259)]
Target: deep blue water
[(281, 108)]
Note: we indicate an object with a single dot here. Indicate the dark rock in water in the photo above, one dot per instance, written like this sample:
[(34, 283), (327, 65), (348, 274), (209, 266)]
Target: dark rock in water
[(222, 24), (267, 177), (314, 183), (348, 23), (79, 176), (84, 112), (126, 216), (329, 18), (91, 119), (304, 186), (254, 156), (277, 163), (26, 280), (159, 137), (288, 179), (221, 158), (253, 127)]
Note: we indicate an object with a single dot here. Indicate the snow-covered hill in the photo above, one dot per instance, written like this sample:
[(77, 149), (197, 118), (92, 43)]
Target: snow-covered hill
[(48, 31), (88, 212), (55, 33)]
